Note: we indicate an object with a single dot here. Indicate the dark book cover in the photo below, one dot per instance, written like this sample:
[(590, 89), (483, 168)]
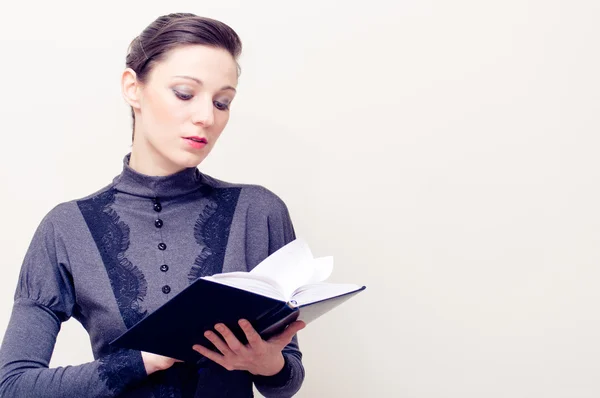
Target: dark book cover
[(180, 323)]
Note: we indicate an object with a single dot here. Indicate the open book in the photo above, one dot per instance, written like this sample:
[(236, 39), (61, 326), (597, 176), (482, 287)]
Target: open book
[(288, 285), (291, 274)]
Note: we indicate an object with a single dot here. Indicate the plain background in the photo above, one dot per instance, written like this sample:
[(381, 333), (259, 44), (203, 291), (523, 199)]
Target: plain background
[(444, 152)]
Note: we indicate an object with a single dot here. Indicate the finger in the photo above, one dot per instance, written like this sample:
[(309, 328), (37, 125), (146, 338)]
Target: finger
[(254, 339), (285, 337), (217, 342), (210, 354), (232, 342)]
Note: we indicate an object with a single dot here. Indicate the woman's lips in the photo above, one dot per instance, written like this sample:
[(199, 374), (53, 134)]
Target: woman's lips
[(196, 142)]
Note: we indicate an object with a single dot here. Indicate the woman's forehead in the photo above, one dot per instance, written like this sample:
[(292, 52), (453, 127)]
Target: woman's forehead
[(205, 63)]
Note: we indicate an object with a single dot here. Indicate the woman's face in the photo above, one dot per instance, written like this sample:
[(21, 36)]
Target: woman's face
[(182, 108)]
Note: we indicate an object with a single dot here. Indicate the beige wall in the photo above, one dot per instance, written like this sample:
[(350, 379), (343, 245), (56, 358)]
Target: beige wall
[(445, 152)]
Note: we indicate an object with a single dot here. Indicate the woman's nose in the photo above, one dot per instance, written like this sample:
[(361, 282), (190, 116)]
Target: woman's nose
[(204, 114)]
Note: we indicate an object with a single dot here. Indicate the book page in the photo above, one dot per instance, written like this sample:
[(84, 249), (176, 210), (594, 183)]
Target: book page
[(291, 267), (322, 269), (258, 284), (320, 291), (288, 273)]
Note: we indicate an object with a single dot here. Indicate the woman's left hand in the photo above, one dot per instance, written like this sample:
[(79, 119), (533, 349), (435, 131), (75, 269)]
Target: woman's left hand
[(258, 357)]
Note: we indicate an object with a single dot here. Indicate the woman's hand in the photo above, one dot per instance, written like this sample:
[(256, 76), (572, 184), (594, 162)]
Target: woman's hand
[(259, 357), (154, 363)]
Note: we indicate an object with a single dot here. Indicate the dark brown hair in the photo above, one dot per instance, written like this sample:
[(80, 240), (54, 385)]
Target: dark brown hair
[(174, 30)]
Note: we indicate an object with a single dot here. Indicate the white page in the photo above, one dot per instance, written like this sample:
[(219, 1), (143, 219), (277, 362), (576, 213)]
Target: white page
[(259, 284), (322, 269), (321, 291), (291, 266)]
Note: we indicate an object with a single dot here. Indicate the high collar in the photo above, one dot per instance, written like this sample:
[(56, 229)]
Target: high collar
[(134, 183)]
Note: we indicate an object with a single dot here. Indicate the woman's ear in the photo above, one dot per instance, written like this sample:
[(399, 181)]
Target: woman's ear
[(130, 88)]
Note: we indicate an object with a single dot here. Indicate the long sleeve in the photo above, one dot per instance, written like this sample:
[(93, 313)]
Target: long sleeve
[(43, 300), (279, 228), (289, 380)]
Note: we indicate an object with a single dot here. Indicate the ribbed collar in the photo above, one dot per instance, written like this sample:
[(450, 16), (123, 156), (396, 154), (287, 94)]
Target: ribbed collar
[(134, 183)]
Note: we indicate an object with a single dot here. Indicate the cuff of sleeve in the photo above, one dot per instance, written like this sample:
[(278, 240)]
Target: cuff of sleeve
[(122, 369), (277, 380)]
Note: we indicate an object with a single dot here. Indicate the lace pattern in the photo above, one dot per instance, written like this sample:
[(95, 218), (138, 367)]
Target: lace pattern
[(112, 239), (118, 368), (212, 231)]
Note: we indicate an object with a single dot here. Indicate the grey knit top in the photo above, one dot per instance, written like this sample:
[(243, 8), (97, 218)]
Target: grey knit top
[(113, 257)]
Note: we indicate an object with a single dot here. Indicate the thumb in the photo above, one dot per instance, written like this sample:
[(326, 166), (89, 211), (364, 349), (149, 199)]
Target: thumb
[(286, 336)]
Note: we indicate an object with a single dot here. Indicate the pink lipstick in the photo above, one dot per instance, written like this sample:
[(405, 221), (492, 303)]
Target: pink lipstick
[(196, 142)]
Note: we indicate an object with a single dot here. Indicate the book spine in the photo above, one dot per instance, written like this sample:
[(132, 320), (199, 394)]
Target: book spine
[(276, 323)]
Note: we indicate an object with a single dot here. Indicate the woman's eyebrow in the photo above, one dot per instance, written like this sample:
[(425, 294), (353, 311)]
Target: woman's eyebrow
[(200, 82)]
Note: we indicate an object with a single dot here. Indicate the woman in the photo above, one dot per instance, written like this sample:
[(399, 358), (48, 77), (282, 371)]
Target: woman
[(112, 257)]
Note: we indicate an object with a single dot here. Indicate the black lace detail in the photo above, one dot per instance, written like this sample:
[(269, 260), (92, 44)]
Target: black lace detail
[(112, 239), (166, 391), (118, 369), (212, 231), (179, 381), (215, 381), (163, 386)]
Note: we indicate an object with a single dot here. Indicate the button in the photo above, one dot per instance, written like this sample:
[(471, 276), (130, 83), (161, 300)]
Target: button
[(157, 207), (162, 246), (166, 289), (164, 268), (158, 223)]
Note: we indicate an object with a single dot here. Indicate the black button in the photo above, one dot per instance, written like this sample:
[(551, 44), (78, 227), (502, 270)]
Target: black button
[(158, 223), (164, 268), (157, 207), (162, 246), (166, 289)]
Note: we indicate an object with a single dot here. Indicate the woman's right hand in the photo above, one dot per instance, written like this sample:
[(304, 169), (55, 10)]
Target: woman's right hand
[(154, 363)]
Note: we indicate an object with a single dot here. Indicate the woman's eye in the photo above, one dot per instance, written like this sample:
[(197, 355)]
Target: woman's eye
[(221, 105), (183, 96)]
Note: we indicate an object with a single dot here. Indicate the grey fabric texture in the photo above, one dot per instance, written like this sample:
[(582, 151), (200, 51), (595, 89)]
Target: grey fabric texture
[(108, 262)]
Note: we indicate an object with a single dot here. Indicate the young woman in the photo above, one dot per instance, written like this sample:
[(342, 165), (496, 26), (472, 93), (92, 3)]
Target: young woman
[(112, 257)]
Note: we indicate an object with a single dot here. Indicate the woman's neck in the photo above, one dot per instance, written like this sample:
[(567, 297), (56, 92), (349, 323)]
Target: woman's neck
[(146, 160)]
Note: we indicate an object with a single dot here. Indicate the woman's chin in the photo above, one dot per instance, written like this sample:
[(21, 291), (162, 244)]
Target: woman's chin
[(187, 159)]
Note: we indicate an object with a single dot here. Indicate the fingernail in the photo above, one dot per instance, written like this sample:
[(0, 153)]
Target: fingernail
[(219, 327)]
